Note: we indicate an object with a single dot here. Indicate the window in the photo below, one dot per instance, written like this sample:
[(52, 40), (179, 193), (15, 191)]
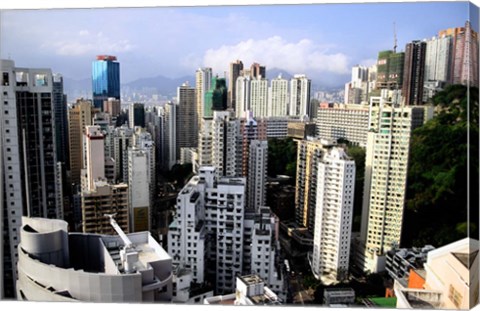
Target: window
[(454, 296)]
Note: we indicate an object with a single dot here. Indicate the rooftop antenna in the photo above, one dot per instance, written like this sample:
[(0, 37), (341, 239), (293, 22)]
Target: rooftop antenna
[(394, 38)]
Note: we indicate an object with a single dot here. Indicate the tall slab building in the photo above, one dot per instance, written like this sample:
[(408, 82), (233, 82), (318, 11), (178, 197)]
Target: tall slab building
[(386, 167), (29, 159), (236, 68)]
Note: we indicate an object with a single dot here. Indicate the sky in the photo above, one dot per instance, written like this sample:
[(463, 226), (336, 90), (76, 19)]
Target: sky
[(321, 40)]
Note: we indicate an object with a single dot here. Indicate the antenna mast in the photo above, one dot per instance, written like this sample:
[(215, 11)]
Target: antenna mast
[(394, 38)]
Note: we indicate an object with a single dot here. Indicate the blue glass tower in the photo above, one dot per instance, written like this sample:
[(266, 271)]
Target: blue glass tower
[(105, 79)]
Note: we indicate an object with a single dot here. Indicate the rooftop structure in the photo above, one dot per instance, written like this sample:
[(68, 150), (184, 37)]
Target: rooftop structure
[(251, 290), (451, 279), (55, 265)]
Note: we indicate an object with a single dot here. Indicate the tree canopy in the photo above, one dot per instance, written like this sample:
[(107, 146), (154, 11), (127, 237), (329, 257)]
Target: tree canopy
[(443, 172), (282, 157)]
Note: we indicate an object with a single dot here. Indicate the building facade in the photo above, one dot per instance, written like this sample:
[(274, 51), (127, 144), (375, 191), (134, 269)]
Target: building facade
[(348, 122), (105, 79), (333, 216), (386, 167), (300, 96)]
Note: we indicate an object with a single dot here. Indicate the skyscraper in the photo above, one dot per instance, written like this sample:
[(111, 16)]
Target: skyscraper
[(136, 115), (186, 118), (257, 71), (235, 69), (61, 120), (333, 216), (386, 167), (209, 235), (215, 97), (414, 72), (309, 154), (139, 189), (79, 116), (356, 91), (465, 49), (257, 174), (300, 96), (105, 79), (203, 83), (98, 197), (242, 96), (28, 156), (437, 59), (278, 97), (259, 97)]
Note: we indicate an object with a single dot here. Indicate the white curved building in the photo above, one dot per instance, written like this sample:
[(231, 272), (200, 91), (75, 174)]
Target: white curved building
[(55, 265)]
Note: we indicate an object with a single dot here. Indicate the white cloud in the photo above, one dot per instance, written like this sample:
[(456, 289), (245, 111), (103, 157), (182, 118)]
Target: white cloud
[(368, 62), (295, 57), (87, 43)]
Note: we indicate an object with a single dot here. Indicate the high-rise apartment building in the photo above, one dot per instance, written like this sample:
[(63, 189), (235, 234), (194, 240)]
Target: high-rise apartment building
[(226, 144), (79, 116), (208, 233), (257, 174), (98, 197), (203, 83), (437, 59), (309, 153), (259, 97), (105, 79), (139, 186), (236, 68), (414, 72), (333, 216), (386, 167), (465, 49), (242, 96), (95, 157), (357, 90), (186, 118), (216, 97), (348, 122), (112, 106), (278, 98), (136, 115), (300, 96), (257, 71), (122, 139)]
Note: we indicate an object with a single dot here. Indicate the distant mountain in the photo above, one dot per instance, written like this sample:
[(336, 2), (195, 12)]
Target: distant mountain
[(147, 86), (159, 84), (77, 88), (274, 72)]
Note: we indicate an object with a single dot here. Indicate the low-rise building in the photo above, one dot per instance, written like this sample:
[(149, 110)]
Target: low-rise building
[(338, 296), (250, 291), (451, 279)]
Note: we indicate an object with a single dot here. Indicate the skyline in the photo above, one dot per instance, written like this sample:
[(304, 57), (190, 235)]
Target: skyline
[(320, 40)]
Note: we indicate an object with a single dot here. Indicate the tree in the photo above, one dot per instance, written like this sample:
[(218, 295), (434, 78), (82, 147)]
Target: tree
[(443, 169), (282, 157)]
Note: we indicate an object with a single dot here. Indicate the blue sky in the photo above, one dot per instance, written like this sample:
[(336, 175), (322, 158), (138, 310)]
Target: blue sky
[(322, 40)]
